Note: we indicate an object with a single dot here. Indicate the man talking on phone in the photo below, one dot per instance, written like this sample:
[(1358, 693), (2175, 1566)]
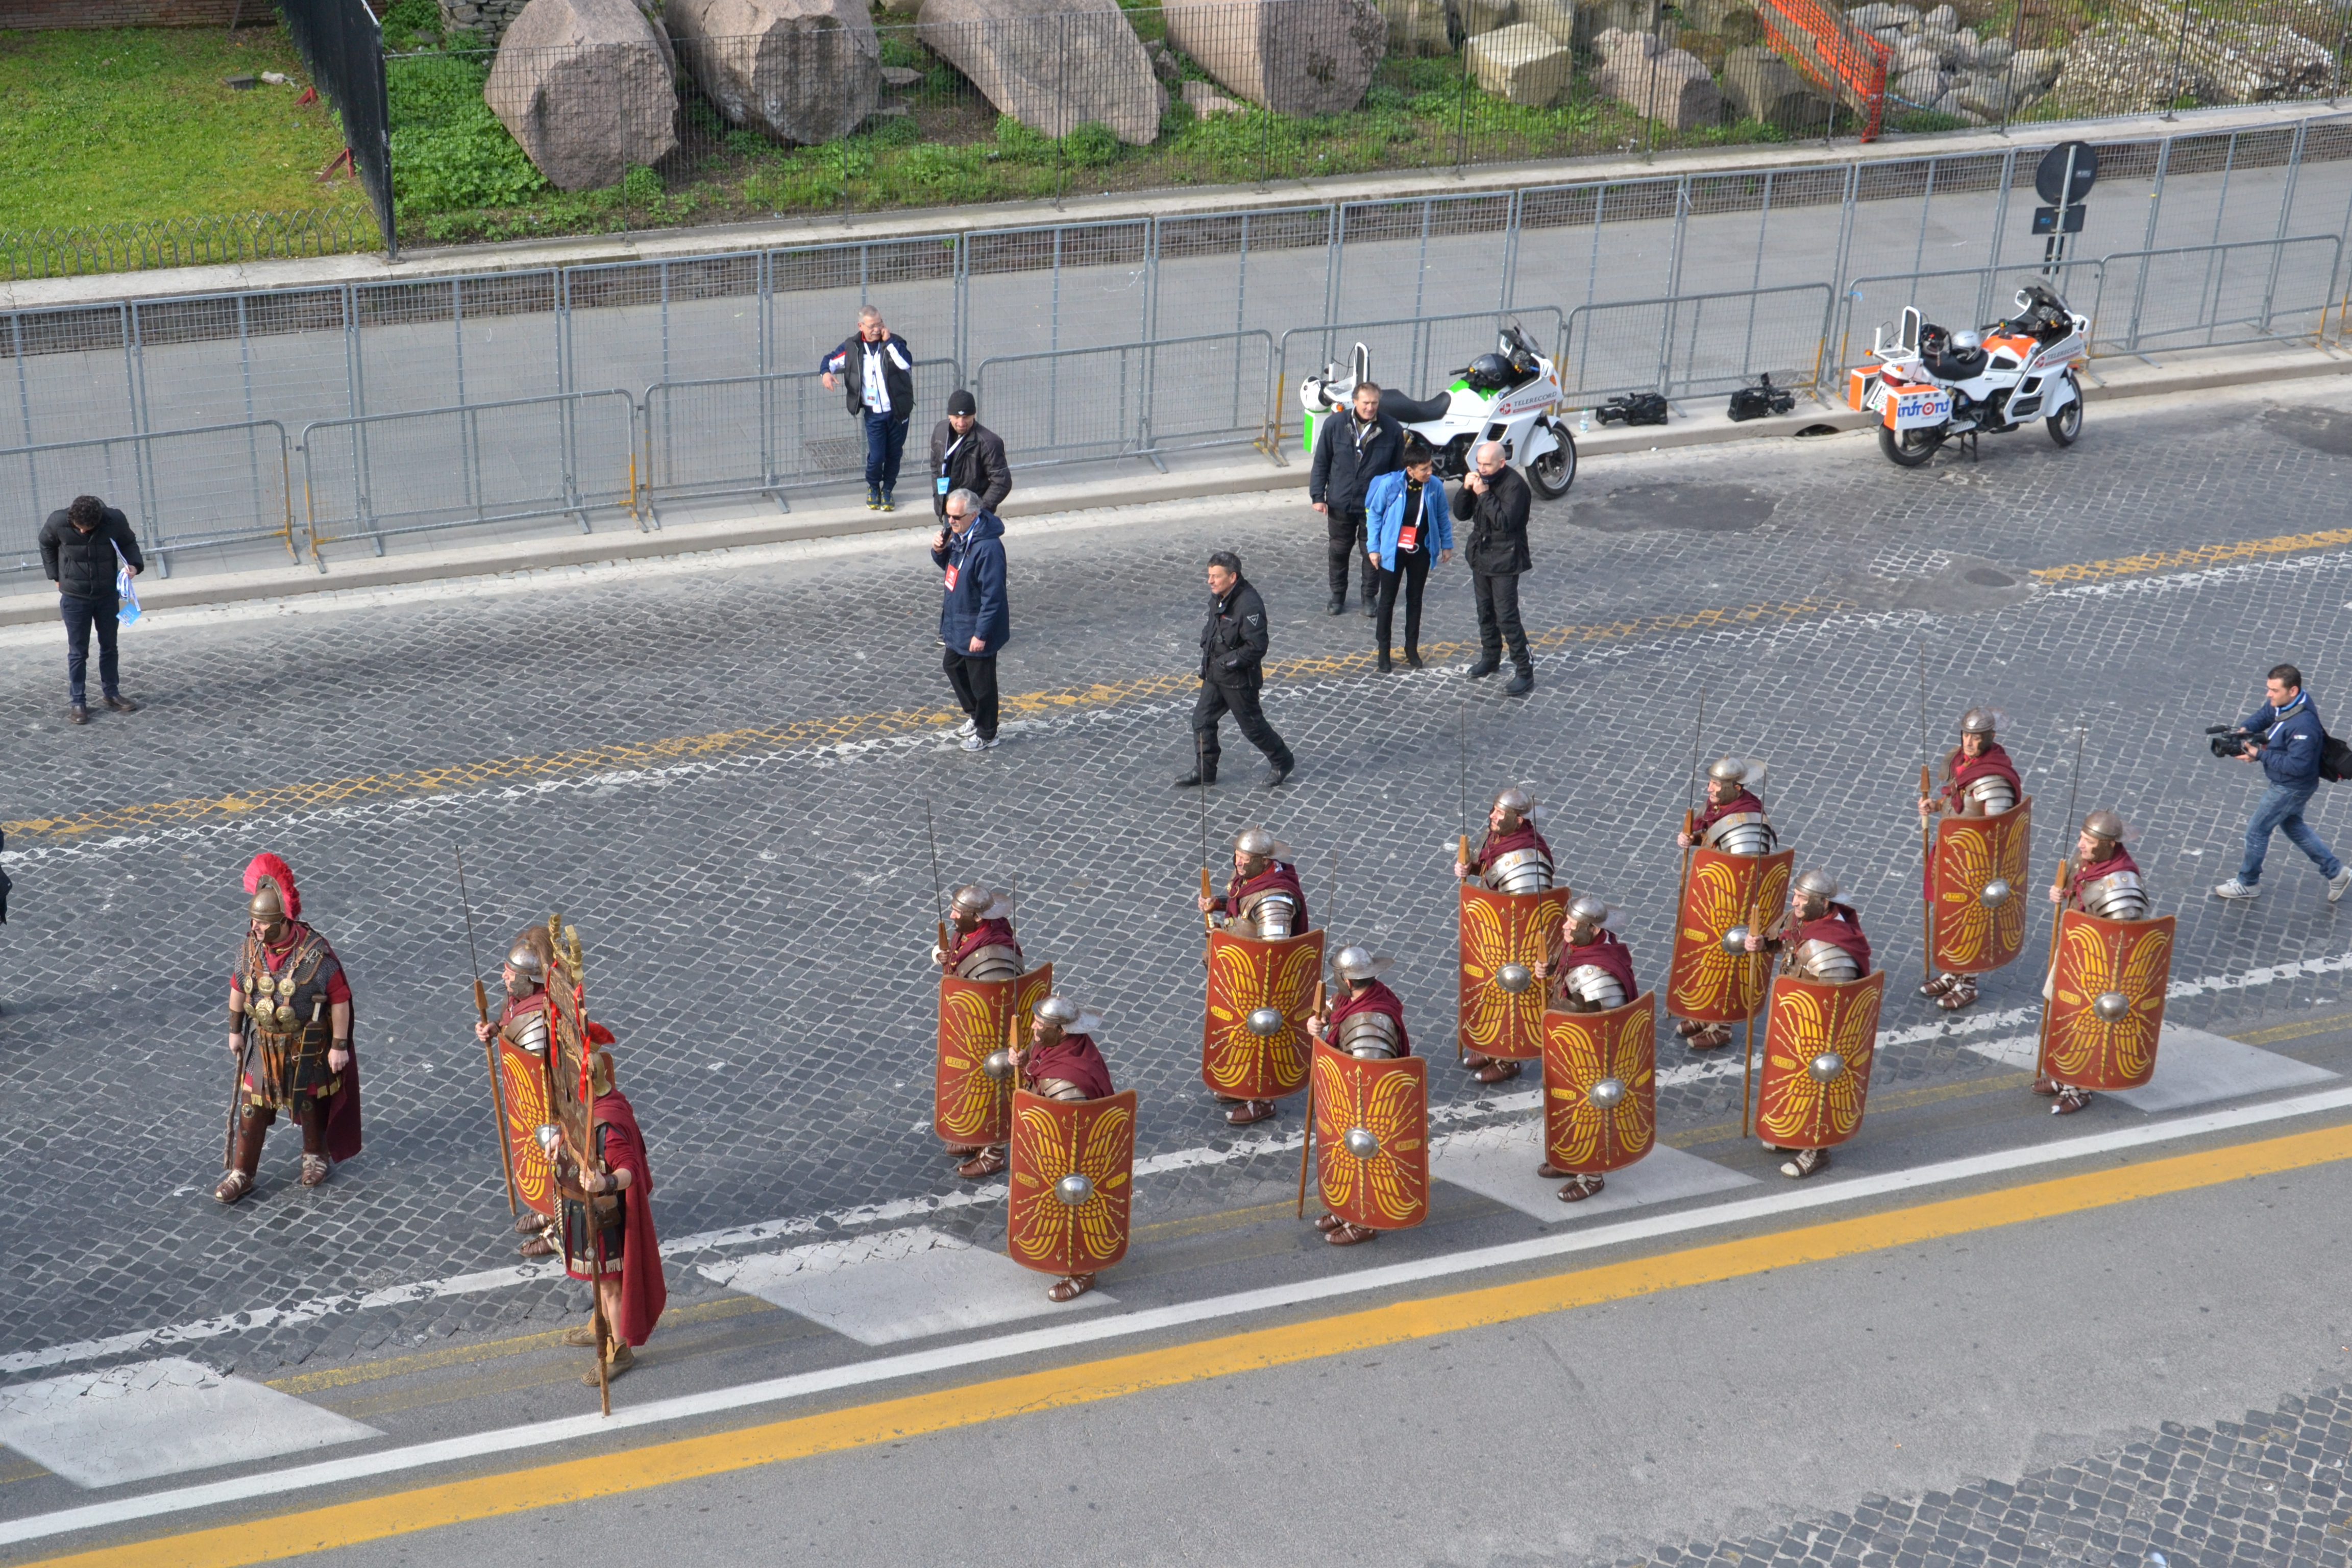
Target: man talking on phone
[(974, 618)]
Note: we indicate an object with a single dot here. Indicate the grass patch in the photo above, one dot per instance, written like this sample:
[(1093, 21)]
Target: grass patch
[(116, 125)]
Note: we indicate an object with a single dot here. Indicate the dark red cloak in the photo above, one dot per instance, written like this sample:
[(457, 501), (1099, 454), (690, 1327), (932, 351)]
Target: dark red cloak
[(1604, 951), (644, 1293), (2120, 861), (343, 1105), (1277, 874), (987, 933), (1073, 1060), (1712, 814), (1842, 926), (1374, 998), (1498, 844), (1961, 772)]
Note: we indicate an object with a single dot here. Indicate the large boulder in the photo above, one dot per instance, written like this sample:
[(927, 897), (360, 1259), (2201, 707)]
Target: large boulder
[(1053, 65), (1598, 16), (1416, 27), (1521, 63), (1672, 86), (1557, 18), (1764, 87), (585, 89), (801, 70), (1293, 56), (1484, 16)]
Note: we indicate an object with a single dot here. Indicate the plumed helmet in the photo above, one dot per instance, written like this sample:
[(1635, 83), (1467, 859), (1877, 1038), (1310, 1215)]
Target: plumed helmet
[(1819, 885), (271, 882), (979, 903), (1981, 722), (1258, 841), (2105, 823), (1516, 801), (1358, 963), (1489, 373)]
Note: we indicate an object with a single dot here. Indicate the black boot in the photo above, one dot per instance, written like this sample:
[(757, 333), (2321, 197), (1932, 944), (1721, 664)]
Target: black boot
[(1197, 777), (1338, 603), (1487, 665), (1521, 683)]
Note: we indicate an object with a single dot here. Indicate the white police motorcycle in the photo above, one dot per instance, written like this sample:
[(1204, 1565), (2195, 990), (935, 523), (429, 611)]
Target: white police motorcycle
[(1930, 387), (1511, 396)]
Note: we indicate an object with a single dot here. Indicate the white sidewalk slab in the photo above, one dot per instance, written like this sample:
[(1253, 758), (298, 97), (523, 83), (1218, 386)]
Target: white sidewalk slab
[(1500, 1164), (900, 1285), (2192, 1067), (159, 1418)]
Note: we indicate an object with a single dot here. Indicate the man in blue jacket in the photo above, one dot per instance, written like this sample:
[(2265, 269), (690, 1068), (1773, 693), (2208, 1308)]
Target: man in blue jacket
[(974, 618), (2288, 738)]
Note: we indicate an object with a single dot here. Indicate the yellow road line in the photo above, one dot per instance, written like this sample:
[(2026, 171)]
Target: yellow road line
[(895, 1420), (2295, 1030), (2156, 560)]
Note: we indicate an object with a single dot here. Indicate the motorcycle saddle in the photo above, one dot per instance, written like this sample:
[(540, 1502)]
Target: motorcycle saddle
[(1414, 410)]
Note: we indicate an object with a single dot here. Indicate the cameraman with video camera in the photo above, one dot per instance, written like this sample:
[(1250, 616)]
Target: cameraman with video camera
[(2285, 736)]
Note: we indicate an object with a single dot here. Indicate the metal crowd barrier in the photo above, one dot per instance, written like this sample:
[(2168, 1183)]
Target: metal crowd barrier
[(183, 489), (756, 435), (389, 474), (1075, 405), (1689, 345), (2212, 296), (1954, 296), (1407, 352)]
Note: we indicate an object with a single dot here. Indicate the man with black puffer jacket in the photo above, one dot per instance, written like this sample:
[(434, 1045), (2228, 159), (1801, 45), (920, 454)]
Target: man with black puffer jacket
[(1233, 653), (78, 546)]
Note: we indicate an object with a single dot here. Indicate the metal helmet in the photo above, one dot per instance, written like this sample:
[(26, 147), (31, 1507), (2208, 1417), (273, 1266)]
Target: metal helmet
[(1517, 802), (1358, 963), (1588, 913), (1817, 885), (2105, 824), (1058, 1010), (1729, 770), (979, 903), (526, 960), (268, 905), (1258, 842), (1981, 722)]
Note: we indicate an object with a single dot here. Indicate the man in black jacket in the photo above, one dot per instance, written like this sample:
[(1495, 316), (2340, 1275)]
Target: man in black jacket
[(78, 546), (967, 456), (1233, 648), (1356, 446), (878, 368), (1494, 500)]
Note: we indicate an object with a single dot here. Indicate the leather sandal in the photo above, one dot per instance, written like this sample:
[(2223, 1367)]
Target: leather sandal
[(530, 1221), (622, 1359), (1580, 1188), (1328, 1222), (537, 1246), (1962, 992), (1071, 1288), (2046, 1085), (1474, 1061), (1938, 987), (1807, 1162), (1709, 1037), (314, 1170), (987, 1163), (584, 1336), (1249, 1111), (1498, 1072), (1686, 1027), (1346, 1234), (1551, 1172), (234, 1185), (2070, 1100), (959, 1153)]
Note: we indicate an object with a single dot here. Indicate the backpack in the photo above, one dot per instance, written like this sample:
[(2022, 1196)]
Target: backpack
[(1638, 408), (2334, 758)]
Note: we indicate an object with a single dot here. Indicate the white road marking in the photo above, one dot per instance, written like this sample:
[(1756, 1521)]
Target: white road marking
[(2192, 1067), (1502, 1166), (902, 1285), (158, 1418), (1821, 1193)]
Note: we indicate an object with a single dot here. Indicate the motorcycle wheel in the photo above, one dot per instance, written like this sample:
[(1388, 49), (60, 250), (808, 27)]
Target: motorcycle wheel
[(1550, 475), (2068, 422), (1910, 448)]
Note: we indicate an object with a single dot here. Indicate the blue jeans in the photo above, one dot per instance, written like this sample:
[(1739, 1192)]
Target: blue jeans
[(2282, 808), (886, 442), (81, 614)]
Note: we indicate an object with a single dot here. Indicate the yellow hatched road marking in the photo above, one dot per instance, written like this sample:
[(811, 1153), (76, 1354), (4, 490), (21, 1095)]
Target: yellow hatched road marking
[(2156, 560), (894, 1420)]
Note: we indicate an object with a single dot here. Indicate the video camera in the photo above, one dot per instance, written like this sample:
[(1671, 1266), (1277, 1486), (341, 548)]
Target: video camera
[(2229, 742)]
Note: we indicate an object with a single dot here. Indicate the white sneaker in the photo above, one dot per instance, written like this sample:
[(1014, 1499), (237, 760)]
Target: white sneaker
[(2337, 884), (2234, 889), (972, 742), (969, 727)]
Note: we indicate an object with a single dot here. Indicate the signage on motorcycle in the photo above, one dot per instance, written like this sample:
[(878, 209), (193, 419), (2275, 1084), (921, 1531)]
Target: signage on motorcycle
[(1921, 406)]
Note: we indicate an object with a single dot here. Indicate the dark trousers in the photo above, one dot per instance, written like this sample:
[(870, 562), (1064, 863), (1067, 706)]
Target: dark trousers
[(81, 614), (886, 442), (1344, 527), (1413, 572), (973, 676), (1498, 618), (1214, 703)]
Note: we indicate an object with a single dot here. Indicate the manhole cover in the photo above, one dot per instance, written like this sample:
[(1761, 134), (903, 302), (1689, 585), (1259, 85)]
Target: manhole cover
[(1986, 577)]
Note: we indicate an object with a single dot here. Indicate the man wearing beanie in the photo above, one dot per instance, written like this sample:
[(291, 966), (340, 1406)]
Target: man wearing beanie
[(967, 456)]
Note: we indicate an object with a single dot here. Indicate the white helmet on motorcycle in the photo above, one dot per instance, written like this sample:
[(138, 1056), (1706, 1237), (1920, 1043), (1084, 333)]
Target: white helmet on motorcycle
[(1967, 341)]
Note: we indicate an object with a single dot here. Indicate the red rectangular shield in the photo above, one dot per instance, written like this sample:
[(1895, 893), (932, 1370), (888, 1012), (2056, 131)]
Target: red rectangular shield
[(1703, 982), (1583, 1051), (1246, 978), (2132, 958), (523, 1078), (1072, 1182), (1805, 1100), (1968, 935), (1500, 930), (1371, 1139), (979, 1018)]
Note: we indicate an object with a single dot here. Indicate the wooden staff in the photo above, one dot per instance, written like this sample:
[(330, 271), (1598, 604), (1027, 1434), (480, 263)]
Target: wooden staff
[(490, 1045), (1461, 850), (1306, 1145), (1926, 887), (2057, 918), (237, 1092), (938, 896)]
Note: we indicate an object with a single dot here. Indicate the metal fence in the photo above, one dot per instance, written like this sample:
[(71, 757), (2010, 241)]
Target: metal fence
[(389, 474), (182, 489), (759, 435), (1405, 353), (1691, 344), (2213, 296), (1970, 294), (342, 44), (1072, 405)]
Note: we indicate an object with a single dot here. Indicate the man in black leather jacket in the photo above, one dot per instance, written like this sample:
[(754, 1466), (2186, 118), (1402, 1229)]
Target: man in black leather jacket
[(78, 553), (1232, 651)]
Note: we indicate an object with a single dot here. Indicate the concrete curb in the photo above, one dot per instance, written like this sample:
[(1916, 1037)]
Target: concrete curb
[(845, 517)]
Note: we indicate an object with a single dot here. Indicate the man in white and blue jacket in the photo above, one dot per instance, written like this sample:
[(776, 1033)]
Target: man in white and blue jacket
[(878, 369), (975, 620), (2287, 742)]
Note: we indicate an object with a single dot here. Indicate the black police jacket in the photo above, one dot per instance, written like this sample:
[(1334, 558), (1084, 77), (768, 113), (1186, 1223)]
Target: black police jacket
[(1232, 643)]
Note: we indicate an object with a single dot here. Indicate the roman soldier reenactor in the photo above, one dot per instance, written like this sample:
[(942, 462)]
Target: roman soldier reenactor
[(1512, 858), (1820, 940), (1733, 823), (981, 945), (1978, 781), (1060, 1062), (523, 1022), (1263, 901), (289, 1025), (617, 1251), (1367, 1021), (2104, 881), (1589, 972)]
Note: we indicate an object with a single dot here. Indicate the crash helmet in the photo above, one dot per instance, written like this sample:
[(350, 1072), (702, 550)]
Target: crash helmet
[(1489, 373), (1967, 341)]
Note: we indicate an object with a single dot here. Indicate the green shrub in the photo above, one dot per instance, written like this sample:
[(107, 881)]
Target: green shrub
[(1091, 145), (448, 151), (1177, 117), (409, 23), (1016, 140)]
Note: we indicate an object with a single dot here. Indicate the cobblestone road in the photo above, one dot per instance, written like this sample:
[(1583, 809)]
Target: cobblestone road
[(756, 900)]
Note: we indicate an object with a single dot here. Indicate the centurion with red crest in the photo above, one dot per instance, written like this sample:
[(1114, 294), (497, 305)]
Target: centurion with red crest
[(2110, 965), (1507, 909), (1977, 853), (1263, 963)]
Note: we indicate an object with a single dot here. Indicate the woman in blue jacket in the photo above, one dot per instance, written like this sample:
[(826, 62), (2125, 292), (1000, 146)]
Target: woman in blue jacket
[(1406, 522)]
